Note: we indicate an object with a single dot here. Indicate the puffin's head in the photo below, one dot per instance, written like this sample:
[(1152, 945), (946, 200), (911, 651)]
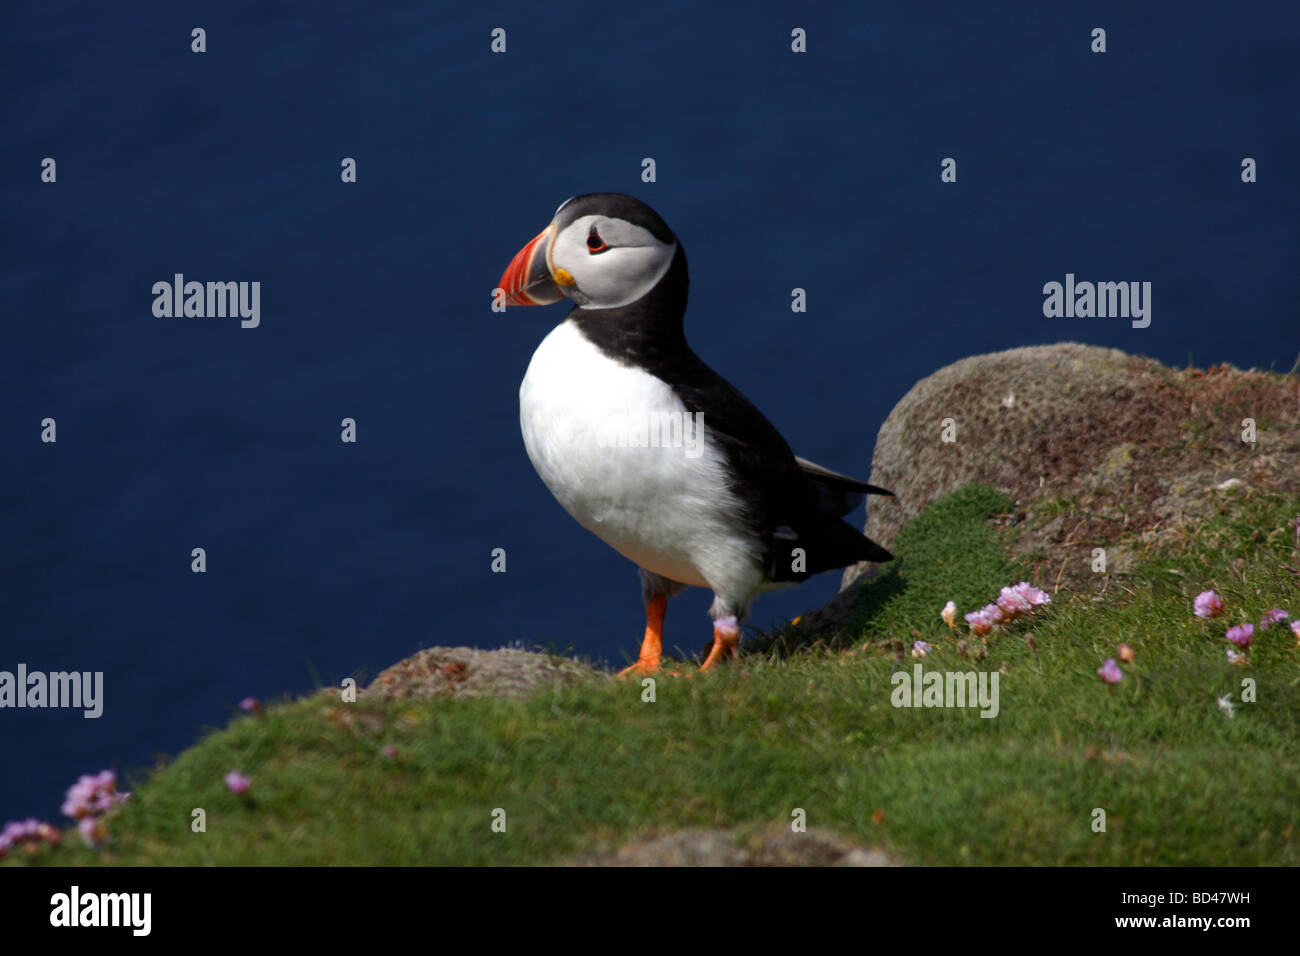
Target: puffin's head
[(602, 250)]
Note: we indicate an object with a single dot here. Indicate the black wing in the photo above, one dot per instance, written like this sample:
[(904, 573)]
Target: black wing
[(789, 502)]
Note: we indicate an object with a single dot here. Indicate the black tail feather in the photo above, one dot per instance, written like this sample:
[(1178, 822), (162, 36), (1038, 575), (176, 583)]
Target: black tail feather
[(826, 544)]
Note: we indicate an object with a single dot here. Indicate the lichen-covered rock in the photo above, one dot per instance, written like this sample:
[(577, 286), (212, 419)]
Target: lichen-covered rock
[(470, 672), (1094, 445), (778, 846)]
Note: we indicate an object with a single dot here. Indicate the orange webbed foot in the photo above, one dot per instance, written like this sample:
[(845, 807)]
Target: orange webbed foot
[(726, 641), (652, 643)]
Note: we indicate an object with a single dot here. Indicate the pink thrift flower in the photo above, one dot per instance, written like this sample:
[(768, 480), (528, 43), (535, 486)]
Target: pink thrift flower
[(1008, 608), (91, 795), (1012, 602), (1032, 595), (1125, 653), (237, 783), (1207, 604), (1275, 616), (250, 705), (1241, 635), (920, 648), (77, 802), (1235, 658), (92, 831), (1295, 629), (31, 831), (949, 614), (981, 623), (1110, 672), (390, 751), (16, 831)]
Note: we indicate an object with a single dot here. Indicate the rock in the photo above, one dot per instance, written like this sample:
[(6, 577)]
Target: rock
[(1120, 559), (778, 846), (1093, 445), (1115, 471), (470, 672)]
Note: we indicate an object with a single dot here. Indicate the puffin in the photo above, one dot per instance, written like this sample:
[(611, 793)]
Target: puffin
[(648, 447)]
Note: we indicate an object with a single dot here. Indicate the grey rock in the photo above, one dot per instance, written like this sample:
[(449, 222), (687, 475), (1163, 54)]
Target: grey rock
[(1119, 442)]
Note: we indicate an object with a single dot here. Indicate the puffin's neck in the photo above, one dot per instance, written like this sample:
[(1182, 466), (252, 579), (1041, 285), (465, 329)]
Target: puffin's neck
[(647, 330)]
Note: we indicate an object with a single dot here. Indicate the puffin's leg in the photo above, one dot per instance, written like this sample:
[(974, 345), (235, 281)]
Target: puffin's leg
[(652, 645), (726, 639), (655, 592)]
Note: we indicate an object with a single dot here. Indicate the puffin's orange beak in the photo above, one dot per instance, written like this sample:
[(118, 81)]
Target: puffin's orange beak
[(528, 280)]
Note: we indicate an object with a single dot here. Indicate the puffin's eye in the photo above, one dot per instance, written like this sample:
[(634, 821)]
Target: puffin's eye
[(595, 244)]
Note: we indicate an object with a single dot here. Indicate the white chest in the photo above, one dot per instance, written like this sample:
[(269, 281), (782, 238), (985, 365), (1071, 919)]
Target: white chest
[(620, 452)]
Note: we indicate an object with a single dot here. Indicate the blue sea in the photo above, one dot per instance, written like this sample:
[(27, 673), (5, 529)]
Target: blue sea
[(778, 170)]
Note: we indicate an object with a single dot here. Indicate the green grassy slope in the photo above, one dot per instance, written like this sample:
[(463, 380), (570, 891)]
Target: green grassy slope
[(582, 770)]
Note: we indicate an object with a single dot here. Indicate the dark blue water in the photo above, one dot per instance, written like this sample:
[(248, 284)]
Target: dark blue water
[(776, 170)]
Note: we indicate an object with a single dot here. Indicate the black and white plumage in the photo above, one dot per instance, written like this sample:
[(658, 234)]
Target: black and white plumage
[(727, 513)]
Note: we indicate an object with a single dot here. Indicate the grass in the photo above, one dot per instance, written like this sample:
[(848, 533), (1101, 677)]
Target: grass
[(583, 770), (1057, 506)]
